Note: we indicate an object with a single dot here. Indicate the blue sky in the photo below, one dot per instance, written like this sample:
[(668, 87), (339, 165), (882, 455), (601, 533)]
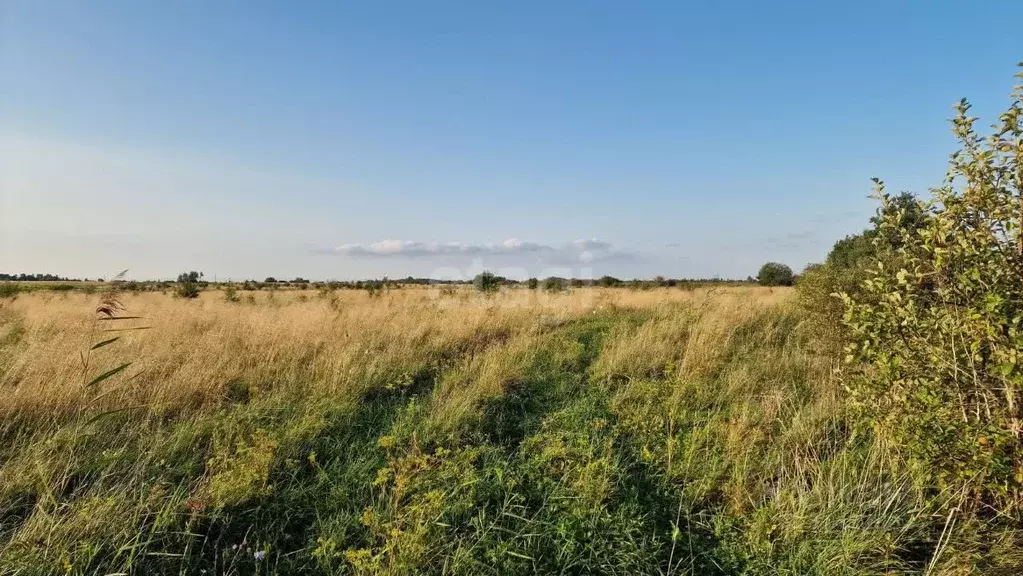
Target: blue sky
[(354, 139)]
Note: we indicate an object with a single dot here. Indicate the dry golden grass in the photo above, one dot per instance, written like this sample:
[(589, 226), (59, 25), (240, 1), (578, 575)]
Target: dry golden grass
[(308, 343), (364, 424)]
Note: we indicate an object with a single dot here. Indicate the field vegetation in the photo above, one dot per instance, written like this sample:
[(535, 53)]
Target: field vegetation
[(593, 430), (866, 421)]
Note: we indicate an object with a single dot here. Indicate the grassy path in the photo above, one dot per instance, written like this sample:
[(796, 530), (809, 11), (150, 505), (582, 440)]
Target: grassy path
[(670, 440)]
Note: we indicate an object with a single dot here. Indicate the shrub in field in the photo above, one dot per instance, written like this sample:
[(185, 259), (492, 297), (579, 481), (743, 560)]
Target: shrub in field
[(818, 293), (9, 290), (486, 281), (903, 211), (554, 284), (188, 284), (775, 274), (230, 293), (532, 283), (939, 324), (374, 288), (848, 265)]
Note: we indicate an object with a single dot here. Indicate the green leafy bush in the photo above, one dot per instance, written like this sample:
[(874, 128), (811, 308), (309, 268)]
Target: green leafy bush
[(775, 274), (848, 265), (486, 281), (374, 288), (817, 293), (901, 212), (938, 326), (230, 293), (9, 289), (188, 284), (554, 284)]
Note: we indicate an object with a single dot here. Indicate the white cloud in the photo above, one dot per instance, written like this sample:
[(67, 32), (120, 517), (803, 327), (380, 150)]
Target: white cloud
[(591, 245), (510, 247)]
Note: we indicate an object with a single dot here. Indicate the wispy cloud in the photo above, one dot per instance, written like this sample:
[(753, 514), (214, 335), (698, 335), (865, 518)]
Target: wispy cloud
[(591, 245), (591, 248)]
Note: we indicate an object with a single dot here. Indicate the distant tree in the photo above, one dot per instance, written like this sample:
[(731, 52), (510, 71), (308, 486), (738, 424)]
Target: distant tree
[(554, 284), (608, 281), (22, 277), (486, 281), (188, 284), (850, 263), (904, 212), (270, 280), (775, 274), (532, 283)]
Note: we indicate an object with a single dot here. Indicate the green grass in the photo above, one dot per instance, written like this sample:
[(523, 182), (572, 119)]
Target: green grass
[(587, 461)]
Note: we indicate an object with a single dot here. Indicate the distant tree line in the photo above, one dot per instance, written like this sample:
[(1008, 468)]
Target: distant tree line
[(487, 281), (190, 284), (35, 278)]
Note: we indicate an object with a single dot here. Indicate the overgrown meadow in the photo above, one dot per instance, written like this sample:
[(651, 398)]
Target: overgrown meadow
[(592, 431), (867, 421)]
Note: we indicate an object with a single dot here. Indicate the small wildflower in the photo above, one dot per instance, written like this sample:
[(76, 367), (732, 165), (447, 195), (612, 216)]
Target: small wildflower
[(259, 555)]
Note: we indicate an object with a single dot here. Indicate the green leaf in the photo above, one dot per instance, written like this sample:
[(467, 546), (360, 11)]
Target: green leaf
[(105, 342), (107, 374), (517, 555)]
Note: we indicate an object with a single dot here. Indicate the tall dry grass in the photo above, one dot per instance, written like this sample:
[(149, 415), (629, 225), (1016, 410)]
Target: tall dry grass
[(419, 431), (337, 345)]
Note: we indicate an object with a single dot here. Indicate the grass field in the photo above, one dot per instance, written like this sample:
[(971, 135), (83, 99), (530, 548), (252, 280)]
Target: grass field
[(591, 431)]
